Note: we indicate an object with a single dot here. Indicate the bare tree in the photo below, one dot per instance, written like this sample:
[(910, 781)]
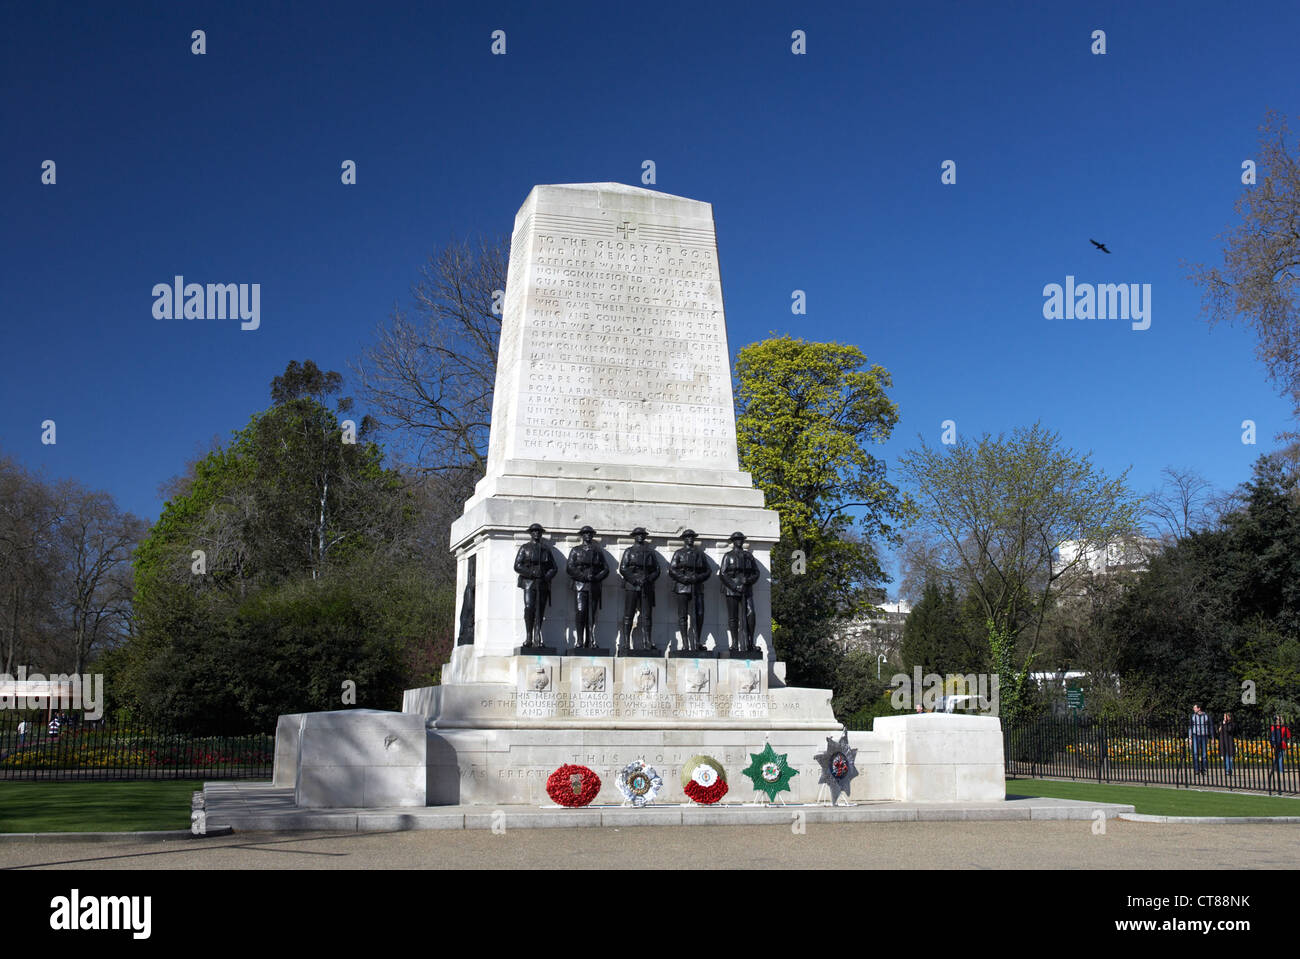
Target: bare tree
[(96, 540), (65, 571), (431, 372), (27, 523), (1259, 282), (1182, 504)]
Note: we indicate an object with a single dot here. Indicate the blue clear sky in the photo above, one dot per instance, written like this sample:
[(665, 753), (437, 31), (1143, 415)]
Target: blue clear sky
[(823, 170)]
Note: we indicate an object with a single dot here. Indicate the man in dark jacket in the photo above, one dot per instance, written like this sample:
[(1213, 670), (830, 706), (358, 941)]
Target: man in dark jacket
[(1228, 741), (738, 573), (536, 568)]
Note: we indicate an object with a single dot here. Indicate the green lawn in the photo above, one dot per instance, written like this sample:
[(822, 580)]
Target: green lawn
[(1159, 800), (95, 806)]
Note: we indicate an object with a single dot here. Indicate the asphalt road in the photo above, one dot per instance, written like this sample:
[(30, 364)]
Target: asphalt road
[(903, 845)]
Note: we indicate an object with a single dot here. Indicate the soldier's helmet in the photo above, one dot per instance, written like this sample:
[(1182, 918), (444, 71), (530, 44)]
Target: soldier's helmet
[(585, 530), (536, 526), (688, 534), (640, 531), (737, 537)]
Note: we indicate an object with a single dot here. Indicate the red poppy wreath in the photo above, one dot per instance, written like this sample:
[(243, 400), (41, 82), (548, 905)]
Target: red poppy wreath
[(573, 785)]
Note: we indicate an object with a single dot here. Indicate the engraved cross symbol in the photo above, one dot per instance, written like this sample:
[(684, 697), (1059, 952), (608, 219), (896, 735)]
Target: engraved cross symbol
[(626, 229)]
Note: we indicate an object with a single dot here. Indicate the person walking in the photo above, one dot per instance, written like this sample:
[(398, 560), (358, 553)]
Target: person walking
[(1228, 741), (1199, 734), (1279, 737)]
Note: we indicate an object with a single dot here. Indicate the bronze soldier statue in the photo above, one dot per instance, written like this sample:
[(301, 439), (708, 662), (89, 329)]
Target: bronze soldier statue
[(586, 569), (536, 568), (738, 573), (639, 569), (467, 607), (689, 569)]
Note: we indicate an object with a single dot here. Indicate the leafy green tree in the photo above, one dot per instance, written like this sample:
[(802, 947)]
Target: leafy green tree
[(858, 685), (1221, 607), (998, 510), (806, 413), (289, 562), (938, 636)]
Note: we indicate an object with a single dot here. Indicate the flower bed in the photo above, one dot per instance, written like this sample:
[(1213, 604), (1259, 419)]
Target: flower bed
[(1134, 751)]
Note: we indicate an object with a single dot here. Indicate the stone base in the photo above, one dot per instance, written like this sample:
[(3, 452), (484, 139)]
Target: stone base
[(693, 653), (945, 757), (640, 653), (626, 692), (285, 771), (360, 758), (741, 654), (511, 766), (482, 744), (537, 651)]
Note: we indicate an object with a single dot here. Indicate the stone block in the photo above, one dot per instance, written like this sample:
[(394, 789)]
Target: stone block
[(285, 772), (359, 758)]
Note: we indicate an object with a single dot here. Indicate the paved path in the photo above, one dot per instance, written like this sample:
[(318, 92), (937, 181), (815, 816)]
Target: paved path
[(889, 845), (261, 807)]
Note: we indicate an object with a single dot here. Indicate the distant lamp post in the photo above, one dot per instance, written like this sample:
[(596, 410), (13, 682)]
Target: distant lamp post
[(880, 658)]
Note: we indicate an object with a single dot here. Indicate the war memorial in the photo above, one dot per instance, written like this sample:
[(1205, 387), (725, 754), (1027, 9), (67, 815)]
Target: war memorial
[(614, 615)]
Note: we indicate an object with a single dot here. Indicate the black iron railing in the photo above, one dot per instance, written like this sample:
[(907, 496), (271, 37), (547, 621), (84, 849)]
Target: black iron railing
[(76, 748), (1257, 757)]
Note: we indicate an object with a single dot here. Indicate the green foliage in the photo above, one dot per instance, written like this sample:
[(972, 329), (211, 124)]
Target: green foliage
[(312, 575), (1013, 677), (862, 719), (805, 412), (857, 687), (1221, 607), (940, 637), (998, 509)]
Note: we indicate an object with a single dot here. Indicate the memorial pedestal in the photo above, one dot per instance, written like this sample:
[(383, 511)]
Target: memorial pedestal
[(612, 408)]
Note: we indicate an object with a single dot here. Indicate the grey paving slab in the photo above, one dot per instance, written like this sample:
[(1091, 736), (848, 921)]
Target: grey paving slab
[(261, 807)]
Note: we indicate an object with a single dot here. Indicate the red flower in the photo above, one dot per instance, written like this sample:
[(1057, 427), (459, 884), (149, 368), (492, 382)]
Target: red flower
[(706, 795), (572, 785)]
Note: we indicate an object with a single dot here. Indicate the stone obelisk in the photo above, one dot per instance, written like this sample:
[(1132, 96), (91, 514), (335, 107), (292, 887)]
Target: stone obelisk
[(613, 408)]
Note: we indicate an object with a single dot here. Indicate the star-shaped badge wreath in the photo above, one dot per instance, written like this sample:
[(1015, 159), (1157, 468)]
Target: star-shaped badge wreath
[(838, 767), (769, 772)]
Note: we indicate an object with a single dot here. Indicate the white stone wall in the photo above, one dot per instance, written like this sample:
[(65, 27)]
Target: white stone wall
[(945, 757)]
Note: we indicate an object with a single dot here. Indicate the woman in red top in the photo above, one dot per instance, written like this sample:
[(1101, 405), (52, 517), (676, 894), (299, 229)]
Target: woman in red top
[(1279, 737)]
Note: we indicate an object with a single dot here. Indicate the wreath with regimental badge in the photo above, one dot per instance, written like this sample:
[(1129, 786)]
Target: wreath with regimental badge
[(572, 785), (770, 772), (838, 766), (704, 780), (639, 783)]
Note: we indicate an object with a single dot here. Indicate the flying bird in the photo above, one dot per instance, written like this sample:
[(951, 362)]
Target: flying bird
[(1100, 246)]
